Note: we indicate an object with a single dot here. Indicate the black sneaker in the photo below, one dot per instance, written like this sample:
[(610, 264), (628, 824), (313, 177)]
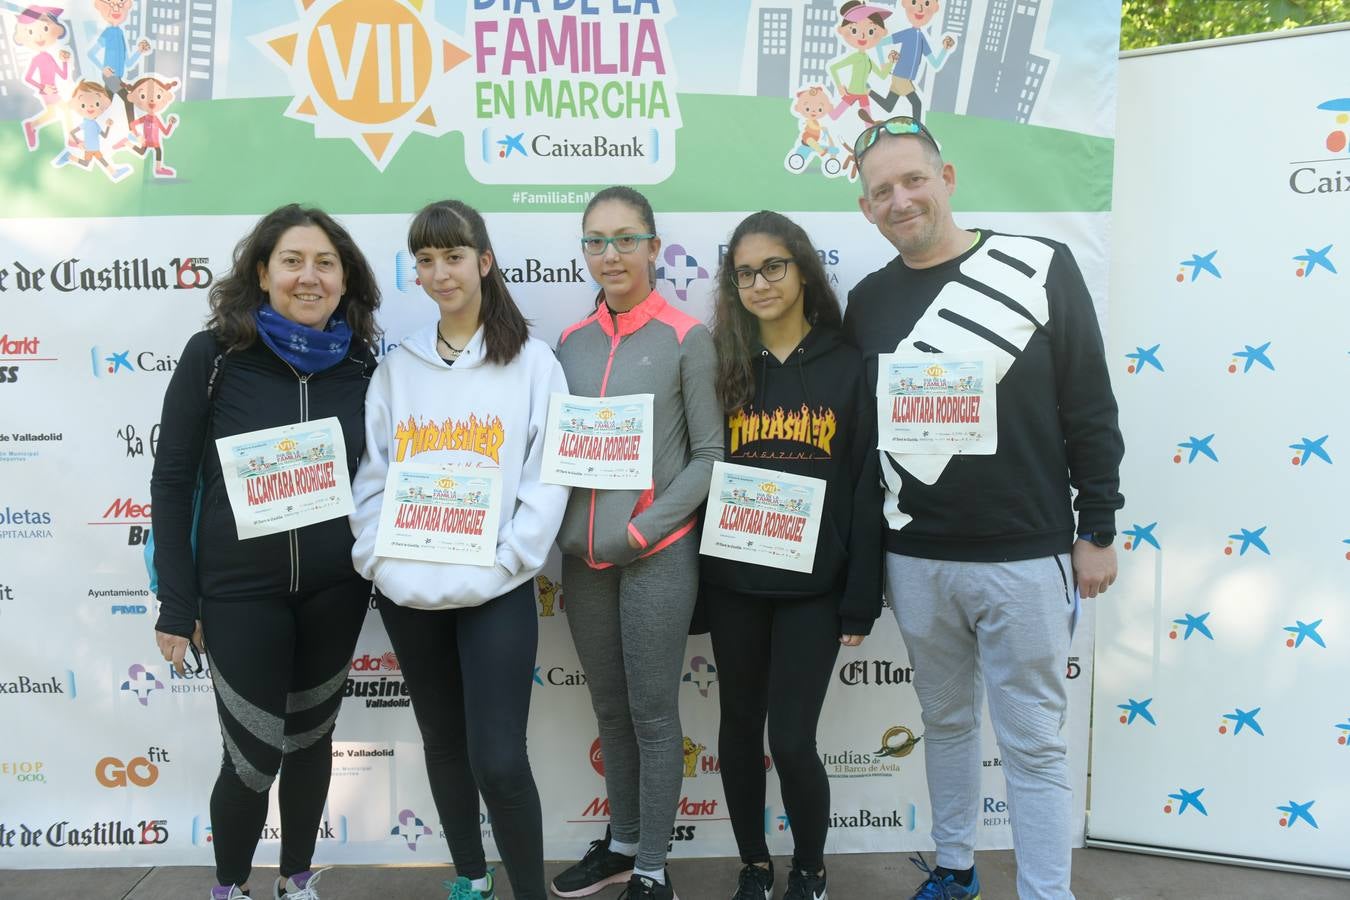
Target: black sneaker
[(755, 883), (640, 887), (598, 869), (803, 884)]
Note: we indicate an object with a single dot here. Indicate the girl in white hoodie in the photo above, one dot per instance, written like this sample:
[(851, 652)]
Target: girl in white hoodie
[(471, 389)]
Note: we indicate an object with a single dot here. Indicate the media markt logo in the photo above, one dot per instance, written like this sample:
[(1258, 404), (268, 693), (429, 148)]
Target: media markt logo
[(571, 93), (1323, 175), (372, 71), (141, 682), (18, 350), (410, 828)]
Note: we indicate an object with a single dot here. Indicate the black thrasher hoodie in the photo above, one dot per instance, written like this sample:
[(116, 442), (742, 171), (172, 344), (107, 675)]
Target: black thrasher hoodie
[(812, 415)]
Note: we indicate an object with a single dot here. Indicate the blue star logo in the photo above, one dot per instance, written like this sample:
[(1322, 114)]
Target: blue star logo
[(1141, 534), (1189, 799), (1244, 719), (1137, 708), (1305, 631), (1199, 447), (1198, 264), (1251, 538), (1309, 449), (1253, 356), (110, 364), (512, 144), (1295, 811), (1193, 623), (1314, 258), (1144, 357)]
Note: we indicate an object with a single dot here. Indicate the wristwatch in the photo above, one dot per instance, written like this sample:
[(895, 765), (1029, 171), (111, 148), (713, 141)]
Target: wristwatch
[(1097, 538)]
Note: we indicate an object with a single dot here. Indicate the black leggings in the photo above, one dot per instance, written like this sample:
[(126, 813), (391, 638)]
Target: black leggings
[(278, 666), (470, 673), (774, 660)]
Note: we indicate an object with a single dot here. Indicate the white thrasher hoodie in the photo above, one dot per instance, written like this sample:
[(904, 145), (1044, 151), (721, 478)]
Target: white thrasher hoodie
[(472, 413)]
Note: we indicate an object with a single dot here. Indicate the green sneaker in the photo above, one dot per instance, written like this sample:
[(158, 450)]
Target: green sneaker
[(462, 889)]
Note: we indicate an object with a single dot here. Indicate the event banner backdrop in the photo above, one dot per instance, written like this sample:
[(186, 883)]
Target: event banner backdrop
[(1222, 714), (119, 212)]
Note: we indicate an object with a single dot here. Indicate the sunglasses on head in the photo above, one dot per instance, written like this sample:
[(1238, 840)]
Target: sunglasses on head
[(896, 125)]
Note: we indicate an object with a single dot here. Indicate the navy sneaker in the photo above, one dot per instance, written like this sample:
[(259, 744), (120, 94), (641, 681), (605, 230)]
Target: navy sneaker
[(804, 884), (944, 887), (640, 887), (755, 883)]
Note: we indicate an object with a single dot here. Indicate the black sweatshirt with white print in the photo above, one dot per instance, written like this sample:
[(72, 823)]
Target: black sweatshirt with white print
[(1024, 300)]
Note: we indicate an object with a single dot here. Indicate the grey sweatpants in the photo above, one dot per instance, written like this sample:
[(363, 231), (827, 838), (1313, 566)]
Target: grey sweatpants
[(1006, 625), (630, 625)]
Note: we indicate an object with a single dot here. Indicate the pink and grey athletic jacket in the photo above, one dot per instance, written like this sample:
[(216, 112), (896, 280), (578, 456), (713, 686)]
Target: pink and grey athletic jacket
[(651, 349)]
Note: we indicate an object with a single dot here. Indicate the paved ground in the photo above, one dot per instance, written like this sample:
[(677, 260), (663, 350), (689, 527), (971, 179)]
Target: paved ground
[(1098, 875)]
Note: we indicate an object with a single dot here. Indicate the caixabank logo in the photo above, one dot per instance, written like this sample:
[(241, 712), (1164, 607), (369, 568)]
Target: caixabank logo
[(566, 92), (108, 362), (27, 685), (1324, 175), (331, 830), (72, 275), (370, 71)]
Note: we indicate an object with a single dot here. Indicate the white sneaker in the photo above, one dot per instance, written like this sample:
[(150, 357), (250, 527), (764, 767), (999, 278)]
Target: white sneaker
[(301, 886), (227, 892)]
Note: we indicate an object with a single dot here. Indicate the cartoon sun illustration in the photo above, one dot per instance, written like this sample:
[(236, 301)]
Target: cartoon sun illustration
[(368, 70)]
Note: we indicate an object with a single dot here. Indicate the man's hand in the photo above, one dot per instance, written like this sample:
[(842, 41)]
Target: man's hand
[(851, 640), (948, 42), (893, 57), (1094, 568), (107, 71)]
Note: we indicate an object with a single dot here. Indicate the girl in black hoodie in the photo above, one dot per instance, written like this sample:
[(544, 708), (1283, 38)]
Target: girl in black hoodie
[(796, 400)]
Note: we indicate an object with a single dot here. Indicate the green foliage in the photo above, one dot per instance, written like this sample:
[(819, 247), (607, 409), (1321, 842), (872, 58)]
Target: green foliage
[(1151, 23)]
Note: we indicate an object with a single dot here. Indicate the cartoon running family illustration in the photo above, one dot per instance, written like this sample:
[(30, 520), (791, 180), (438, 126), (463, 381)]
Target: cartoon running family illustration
[(79, 103), (863, 29)]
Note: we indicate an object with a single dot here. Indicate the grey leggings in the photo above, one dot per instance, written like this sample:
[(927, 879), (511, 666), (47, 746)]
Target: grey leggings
[(629, 625)]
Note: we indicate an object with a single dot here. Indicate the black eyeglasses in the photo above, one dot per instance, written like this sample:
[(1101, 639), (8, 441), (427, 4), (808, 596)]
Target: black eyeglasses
[(773, 270), (897, 125)]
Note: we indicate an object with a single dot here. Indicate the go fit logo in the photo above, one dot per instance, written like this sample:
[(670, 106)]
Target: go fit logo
[(139, 771)]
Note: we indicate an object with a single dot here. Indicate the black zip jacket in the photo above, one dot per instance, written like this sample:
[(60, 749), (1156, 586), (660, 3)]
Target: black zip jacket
[(1023, 299), (254, 389), (812, 415)]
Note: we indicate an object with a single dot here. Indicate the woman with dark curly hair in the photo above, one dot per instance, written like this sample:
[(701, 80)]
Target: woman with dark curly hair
[(795, 400), (288, 341)]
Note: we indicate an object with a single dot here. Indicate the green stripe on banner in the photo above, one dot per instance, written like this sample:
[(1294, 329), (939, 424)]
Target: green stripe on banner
[(245, 156)]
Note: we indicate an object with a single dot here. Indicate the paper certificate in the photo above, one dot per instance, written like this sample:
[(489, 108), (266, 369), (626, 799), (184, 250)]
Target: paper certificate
[(282, 478), (941, 403), (599, 442), (445, 514), (763, 517)]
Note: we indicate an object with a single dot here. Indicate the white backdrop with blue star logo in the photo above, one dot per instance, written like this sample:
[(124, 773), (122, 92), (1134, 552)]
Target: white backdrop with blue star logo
[(1221, 713)]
